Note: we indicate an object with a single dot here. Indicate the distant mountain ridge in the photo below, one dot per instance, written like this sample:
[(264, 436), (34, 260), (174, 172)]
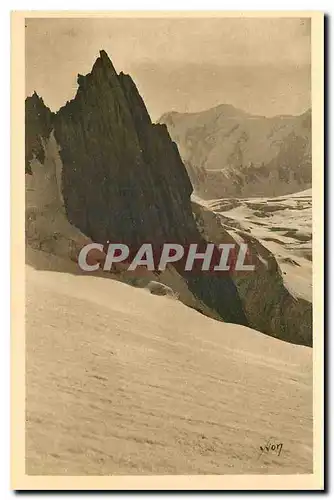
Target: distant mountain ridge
[(231, 153)]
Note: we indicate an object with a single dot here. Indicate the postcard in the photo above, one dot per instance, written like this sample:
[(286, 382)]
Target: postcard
[(167, 250)]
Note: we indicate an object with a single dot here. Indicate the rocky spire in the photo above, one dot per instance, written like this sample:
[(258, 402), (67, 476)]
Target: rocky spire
[(123, 179), (38, 126)]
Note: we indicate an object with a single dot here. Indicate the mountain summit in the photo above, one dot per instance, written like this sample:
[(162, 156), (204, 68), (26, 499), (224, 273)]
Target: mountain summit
[(120, 177), (230, 153)]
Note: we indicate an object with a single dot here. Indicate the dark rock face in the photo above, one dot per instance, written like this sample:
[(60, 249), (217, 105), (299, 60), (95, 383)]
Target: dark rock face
[(123, 179), (268, 304), (38, 125)]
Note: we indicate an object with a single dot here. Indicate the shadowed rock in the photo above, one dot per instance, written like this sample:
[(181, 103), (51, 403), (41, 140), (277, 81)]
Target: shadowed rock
[(122, 177)]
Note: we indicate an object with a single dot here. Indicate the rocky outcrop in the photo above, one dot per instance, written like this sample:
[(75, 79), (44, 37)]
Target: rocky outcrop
[(122, 178), (47, 227), (157, 288), (38, 126), (269, 305)]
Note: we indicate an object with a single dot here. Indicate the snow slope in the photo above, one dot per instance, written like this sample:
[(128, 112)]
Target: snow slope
[(123, 382), (283, 225)]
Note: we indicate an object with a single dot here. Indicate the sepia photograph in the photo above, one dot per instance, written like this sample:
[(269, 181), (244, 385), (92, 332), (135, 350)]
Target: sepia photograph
[(170, 226)]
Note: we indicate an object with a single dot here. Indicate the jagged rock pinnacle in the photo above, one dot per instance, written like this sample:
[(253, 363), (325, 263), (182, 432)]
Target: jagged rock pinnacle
[(104, 56), (104, 61), (122, 177), (101, 66)]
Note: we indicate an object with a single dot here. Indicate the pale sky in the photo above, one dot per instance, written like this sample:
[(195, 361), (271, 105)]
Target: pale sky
[(261, 65)]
